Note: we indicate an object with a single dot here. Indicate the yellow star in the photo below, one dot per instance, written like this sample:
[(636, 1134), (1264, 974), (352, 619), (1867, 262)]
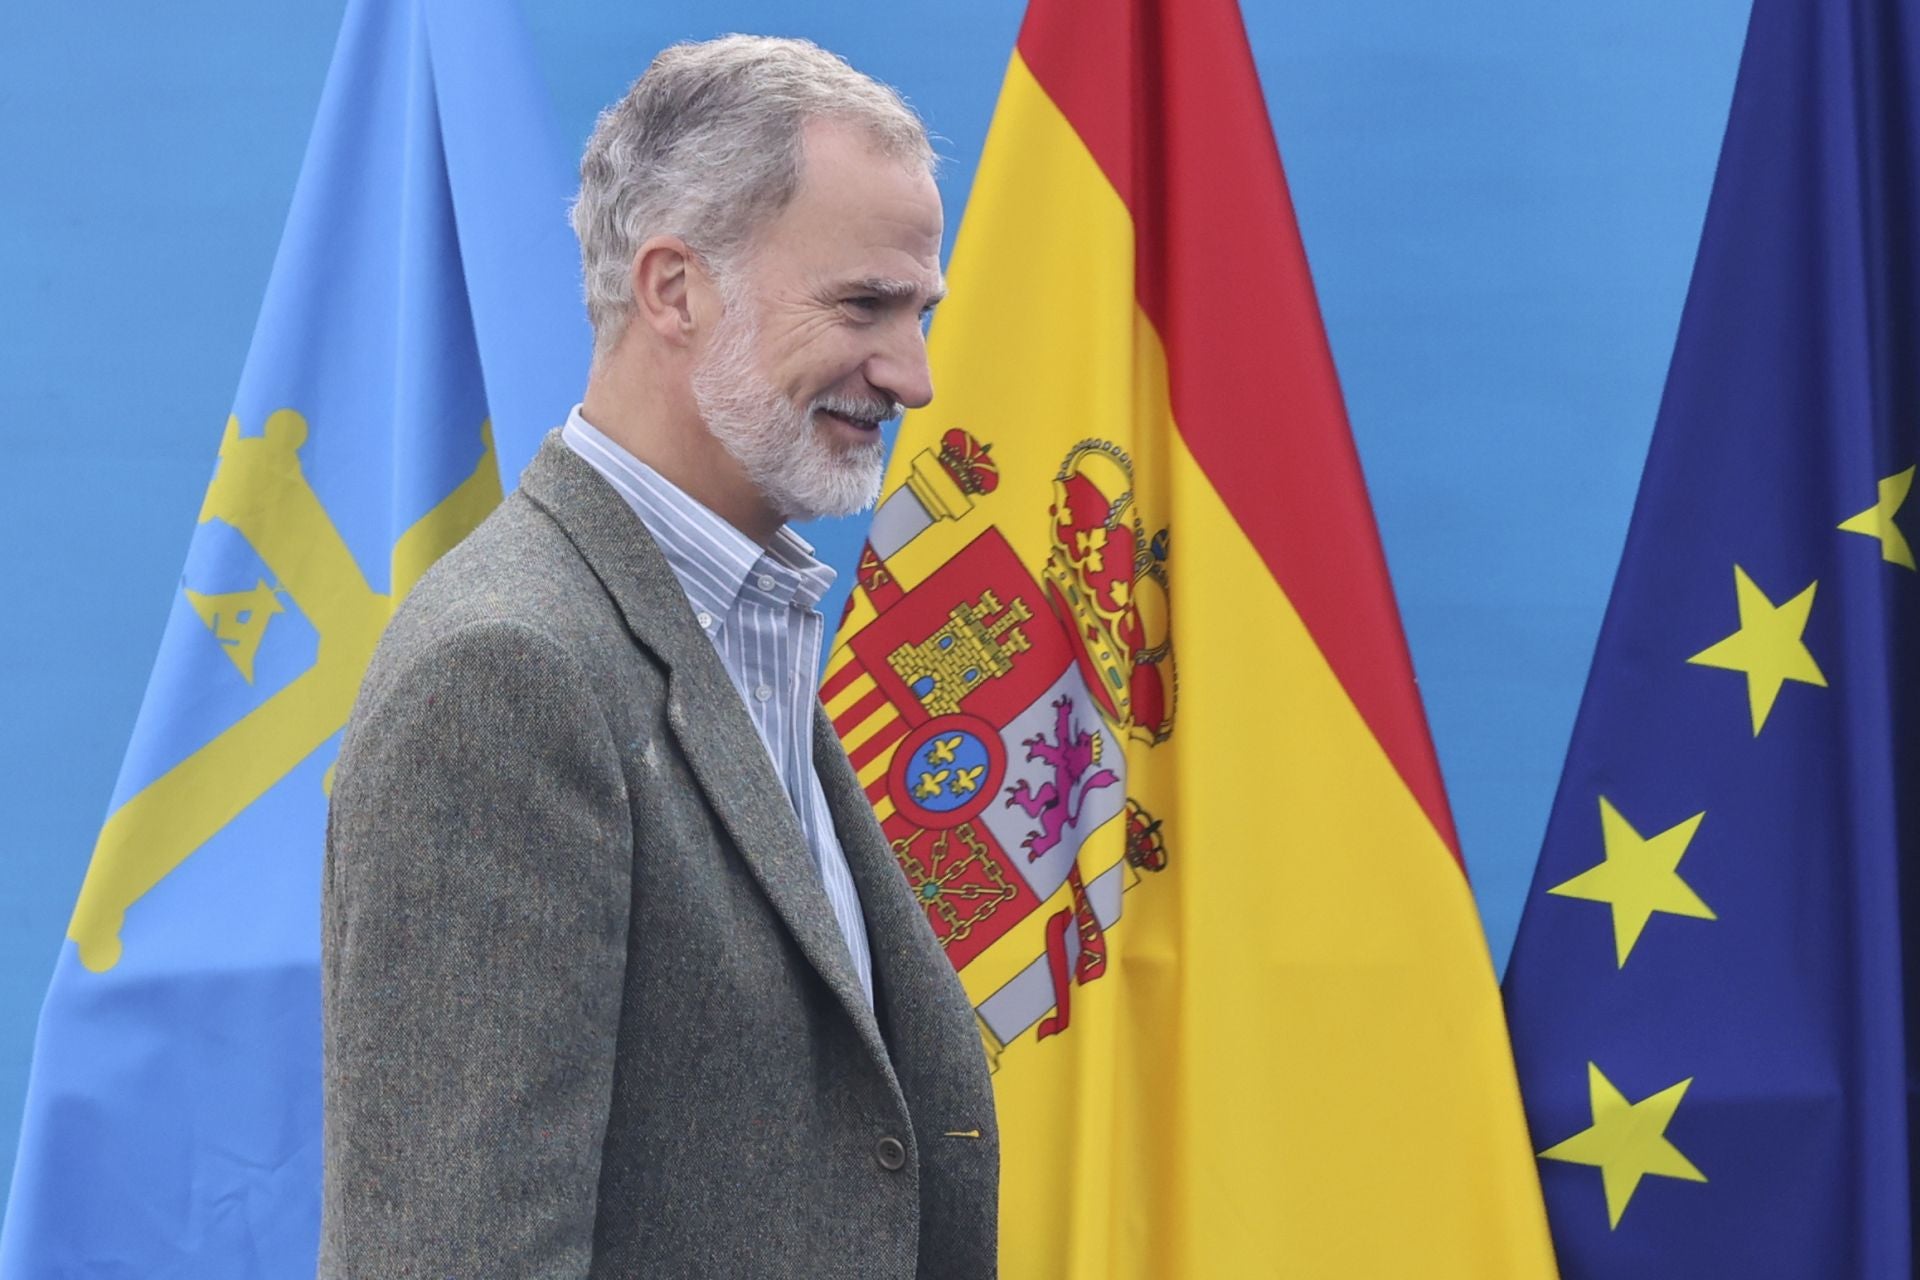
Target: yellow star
[(1877, 520), (1627, 1142), (1767, 647), (1638, 877)]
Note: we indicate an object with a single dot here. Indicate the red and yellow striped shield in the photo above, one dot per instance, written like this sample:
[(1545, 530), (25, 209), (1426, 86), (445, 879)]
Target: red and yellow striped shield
[(1125, 681)]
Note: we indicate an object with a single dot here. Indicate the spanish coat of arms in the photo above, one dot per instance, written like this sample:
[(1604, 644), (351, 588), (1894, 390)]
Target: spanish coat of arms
[(988, 713)]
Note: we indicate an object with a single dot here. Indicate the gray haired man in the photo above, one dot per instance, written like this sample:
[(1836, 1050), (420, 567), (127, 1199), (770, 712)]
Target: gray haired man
[(620, 976)]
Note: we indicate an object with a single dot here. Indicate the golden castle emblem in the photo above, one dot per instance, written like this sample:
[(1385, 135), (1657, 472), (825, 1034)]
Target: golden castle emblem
[(977, 644)]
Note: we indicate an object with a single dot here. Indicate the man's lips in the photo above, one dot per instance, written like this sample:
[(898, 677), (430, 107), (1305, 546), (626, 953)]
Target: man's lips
[(857, 424)]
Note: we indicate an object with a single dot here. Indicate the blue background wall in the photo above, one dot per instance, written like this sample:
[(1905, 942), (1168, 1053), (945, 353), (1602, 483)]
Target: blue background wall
[(1500, 203)]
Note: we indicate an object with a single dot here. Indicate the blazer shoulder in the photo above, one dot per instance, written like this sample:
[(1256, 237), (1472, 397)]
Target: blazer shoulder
[(518, 565), (518, 579)]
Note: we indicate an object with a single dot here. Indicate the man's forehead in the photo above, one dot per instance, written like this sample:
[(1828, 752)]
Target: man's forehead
[(863, 221)]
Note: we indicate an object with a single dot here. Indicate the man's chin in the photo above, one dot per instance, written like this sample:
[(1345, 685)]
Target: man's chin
[(843, 495), (840, 507)]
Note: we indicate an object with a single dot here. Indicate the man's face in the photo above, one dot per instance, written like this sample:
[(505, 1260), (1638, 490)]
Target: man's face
[(823, 336)]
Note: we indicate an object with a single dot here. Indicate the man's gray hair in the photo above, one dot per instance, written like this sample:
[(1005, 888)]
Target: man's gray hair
[(707, 146)]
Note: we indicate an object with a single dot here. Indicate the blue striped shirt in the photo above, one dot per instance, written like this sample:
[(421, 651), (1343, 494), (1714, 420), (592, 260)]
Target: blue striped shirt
[(760, 607)]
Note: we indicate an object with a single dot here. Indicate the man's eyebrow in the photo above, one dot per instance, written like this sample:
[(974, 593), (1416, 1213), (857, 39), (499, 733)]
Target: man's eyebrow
[(897, 290)]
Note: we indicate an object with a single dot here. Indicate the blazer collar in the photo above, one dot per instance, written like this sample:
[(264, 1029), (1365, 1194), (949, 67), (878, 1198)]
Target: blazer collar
[(705, 712), (713, 560)]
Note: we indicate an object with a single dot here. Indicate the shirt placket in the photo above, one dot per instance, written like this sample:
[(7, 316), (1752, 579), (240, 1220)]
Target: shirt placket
[(764, 599)]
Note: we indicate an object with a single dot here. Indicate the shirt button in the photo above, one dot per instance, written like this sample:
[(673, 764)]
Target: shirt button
[(765, 582), (763, 693), (891, 1155), (704, 618)]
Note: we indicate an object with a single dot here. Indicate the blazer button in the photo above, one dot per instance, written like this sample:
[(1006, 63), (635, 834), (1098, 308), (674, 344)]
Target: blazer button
[(891, 1154)]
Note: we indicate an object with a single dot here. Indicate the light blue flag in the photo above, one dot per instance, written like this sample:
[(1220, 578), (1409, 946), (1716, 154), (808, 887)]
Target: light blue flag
[(421, 330)]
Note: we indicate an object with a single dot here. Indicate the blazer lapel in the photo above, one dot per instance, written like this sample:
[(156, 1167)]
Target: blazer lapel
[(907, 960), (704, 710)]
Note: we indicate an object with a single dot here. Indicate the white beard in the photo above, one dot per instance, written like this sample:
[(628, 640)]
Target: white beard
[(785, 455)]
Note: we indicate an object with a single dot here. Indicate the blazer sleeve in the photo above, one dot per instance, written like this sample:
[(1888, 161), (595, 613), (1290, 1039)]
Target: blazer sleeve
[(474, 941)]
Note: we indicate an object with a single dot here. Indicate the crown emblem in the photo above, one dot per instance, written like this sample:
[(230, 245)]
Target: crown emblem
[(1106, 580), (945, 482), (969, 462)]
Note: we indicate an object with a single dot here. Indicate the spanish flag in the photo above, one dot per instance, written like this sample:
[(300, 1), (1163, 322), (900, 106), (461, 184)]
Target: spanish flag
[(1124, 679)]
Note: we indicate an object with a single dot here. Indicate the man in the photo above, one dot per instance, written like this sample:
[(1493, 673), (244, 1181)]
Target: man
[(620, 976)]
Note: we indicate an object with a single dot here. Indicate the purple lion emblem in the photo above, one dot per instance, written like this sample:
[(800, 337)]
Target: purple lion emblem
[(1058, 804)]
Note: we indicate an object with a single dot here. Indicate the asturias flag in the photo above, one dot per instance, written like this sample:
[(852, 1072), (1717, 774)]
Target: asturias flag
[(421, 312), (1713, 990), (1124, 678)]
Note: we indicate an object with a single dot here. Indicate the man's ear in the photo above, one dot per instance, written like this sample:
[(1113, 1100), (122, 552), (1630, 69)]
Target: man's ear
[(661, 295)]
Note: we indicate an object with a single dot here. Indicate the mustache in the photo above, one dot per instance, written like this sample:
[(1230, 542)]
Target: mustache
[(860, 408)]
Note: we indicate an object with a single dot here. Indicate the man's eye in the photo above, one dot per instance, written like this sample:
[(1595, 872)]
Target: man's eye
[(864, 305)]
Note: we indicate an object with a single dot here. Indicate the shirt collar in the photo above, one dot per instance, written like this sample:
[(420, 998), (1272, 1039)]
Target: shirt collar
[(715, 562)]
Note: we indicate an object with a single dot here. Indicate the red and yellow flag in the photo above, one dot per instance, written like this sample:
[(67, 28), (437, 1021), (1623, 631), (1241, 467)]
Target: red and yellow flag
[(1124, 678)]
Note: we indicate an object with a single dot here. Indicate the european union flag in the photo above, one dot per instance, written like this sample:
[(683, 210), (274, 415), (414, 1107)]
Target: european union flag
[(1713, 991), (420, 331)]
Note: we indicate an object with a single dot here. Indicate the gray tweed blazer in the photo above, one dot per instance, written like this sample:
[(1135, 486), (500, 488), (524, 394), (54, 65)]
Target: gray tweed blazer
[(587, 1011)]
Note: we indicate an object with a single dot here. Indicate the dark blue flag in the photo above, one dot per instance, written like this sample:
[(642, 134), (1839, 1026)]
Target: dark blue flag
[(421, 330), (1710, 995)]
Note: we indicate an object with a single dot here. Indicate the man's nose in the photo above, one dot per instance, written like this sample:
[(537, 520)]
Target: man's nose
[(900, 367)]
